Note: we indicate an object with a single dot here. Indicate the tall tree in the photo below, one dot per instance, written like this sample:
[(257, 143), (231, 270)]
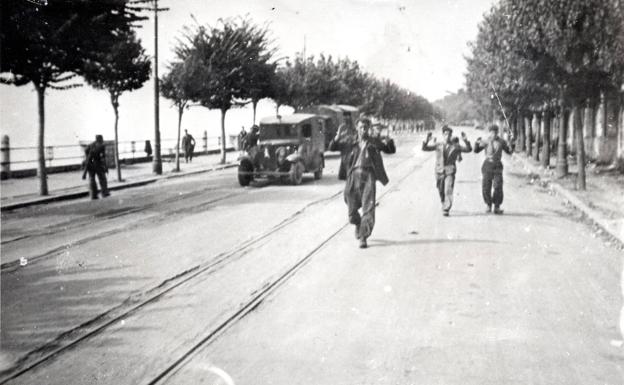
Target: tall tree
[(46, 45), (176, 85), (218, 57), (581, 41), (122, 67)]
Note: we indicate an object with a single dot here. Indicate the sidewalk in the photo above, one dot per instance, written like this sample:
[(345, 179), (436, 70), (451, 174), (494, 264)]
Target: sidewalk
[(22, 192), (602, 202)]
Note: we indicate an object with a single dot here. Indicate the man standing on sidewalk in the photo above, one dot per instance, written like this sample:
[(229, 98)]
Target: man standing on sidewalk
[(188, 144), (95, 164), (364, 167), (448, 152), (492, 168)]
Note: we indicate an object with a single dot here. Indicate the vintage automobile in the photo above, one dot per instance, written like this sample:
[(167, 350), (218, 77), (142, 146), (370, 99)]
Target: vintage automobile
[(288, 147), (334, 116)]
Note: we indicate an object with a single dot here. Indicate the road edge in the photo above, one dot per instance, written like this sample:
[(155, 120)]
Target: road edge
[(568, 197), (82, 194)]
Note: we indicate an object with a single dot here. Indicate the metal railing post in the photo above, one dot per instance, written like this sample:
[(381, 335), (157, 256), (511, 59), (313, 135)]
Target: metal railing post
[(5, 158)]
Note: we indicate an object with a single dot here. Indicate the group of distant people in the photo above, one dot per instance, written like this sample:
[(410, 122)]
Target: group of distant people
[(362, 166)]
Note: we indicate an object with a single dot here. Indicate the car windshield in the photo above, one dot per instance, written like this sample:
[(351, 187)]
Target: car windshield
[(278, 131)]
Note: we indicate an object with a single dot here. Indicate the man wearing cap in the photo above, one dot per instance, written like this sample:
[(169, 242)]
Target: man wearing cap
[(492, 169), (364, 167), (448, 152)]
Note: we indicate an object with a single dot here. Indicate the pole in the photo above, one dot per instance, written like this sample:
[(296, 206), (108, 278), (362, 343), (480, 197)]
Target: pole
[(157, 166), (502, 109), (5, 158)]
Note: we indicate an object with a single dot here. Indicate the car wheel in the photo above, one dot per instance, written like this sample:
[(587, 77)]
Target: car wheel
[(296, 173), (244, 168)]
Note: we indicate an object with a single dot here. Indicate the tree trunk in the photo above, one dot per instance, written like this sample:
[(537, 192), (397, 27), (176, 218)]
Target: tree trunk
[(562, 153), (277, 106), (546, 139), (528, 138), (223, 136), (254, 104), (620, 133), (537, 123), (588, 128), (180, 112), (117, 165), (580, 148), (41, 168), (520, 128)]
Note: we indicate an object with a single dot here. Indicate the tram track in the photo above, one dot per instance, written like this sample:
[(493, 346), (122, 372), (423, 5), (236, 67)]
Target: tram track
[(259, 296), (72, 224), (12, 266), (73, 338)]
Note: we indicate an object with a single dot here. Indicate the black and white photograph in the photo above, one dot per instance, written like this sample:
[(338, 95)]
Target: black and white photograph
[(281, 192)]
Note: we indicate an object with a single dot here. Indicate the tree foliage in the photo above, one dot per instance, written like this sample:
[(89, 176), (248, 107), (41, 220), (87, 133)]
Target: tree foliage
[(47, 45), (324, 80), (120, 67), (537, 54), (228, 63)]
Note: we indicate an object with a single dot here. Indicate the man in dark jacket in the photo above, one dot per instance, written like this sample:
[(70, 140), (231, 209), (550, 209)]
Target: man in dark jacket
[(188, 144), (95, 164), (448, 152), (364, 167), (492, 169), (345, 138)]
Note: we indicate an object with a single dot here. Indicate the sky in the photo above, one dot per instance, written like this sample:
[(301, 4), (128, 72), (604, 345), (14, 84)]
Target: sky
[(419, 44)]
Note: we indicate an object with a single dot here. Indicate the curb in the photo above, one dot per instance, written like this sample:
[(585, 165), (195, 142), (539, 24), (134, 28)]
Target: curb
[(82, 194), (570, 198)]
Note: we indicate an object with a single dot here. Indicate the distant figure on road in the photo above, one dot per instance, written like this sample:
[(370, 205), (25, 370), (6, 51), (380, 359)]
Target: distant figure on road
[(242, 135), (448, 152), (251, 143), (252, 137), (95, 164), (364, 167), (188, 144), (492, 168)]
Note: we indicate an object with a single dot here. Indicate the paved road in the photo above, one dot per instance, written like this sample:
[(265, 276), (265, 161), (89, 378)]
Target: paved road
[(195, 281)]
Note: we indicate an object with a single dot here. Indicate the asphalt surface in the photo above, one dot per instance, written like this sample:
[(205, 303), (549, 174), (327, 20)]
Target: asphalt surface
[(197, 280)]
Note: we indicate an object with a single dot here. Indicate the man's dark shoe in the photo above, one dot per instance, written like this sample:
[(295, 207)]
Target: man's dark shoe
[(498, 210), (363, 244), (445, 213)]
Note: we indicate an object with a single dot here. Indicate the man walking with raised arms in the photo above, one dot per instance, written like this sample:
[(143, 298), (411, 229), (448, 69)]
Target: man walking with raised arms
[(448, 152), (364, 167), (492, 169)]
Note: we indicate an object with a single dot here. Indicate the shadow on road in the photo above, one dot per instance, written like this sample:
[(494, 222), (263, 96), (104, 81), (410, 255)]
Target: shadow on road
[(484, 214), (389, 242)]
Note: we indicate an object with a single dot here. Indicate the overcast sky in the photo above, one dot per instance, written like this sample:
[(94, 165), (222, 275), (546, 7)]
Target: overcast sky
[(419, 44)]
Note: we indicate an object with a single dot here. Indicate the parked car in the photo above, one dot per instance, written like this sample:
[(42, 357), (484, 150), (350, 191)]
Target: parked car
[(288, 147)]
